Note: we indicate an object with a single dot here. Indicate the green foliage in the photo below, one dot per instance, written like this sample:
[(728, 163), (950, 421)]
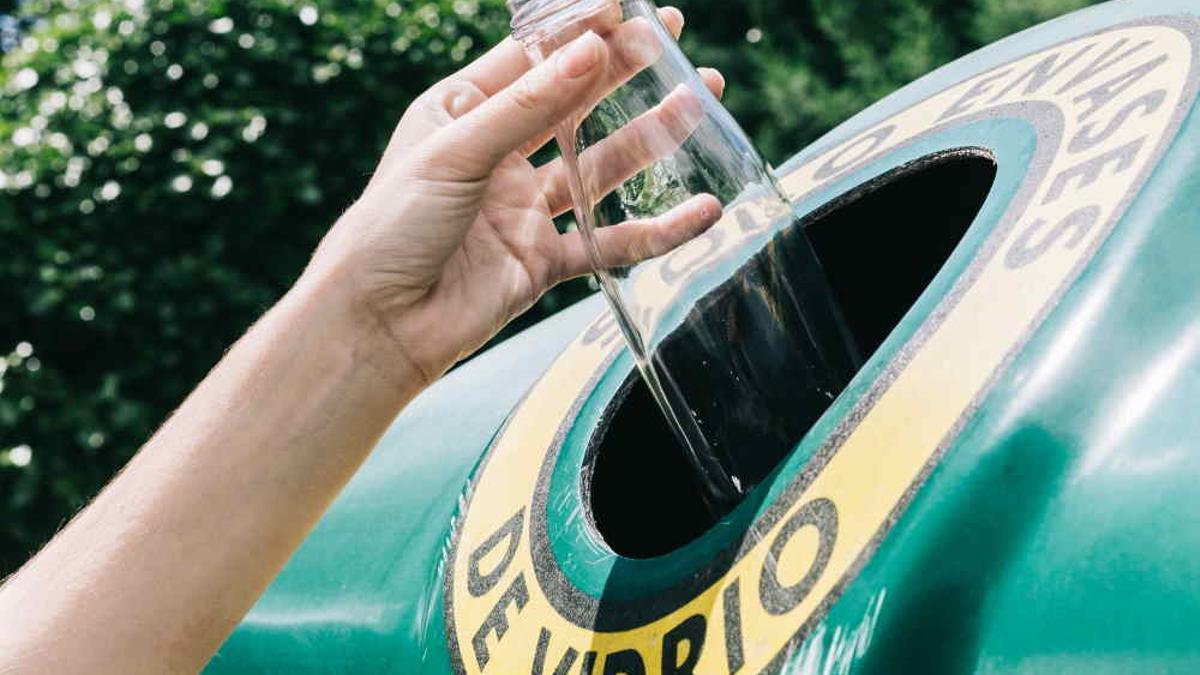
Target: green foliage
[(166, 167)]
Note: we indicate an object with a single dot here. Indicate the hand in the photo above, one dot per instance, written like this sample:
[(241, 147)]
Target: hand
[(453, 236)]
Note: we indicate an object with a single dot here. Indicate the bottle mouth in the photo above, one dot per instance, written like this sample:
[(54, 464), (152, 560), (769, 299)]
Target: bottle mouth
[(535, 20)]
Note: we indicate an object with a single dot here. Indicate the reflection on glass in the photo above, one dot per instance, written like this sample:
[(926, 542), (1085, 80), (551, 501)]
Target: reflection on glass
[(671, 198)]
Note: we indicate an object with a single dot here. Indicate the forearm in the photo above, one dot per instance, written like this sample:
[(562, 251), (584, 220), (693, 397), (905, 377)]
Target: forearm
[(154, 574), (458, 235)]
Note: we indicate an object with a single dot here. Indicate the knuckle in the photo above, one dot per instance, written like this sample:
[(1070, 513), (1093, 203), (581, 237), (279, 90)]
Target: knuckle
[(526, 94), (432, 97), (460, 97), (639, 249), (641, 144)]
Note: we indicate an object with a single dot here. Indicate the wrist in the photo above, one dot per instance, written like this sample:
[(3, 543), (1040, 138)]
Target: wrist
[(329, 301)]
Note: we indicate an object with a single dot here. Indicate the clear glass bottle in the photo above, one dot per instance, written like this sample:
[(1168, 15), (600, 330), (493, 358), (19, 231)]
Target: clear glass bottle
[(741, 362)]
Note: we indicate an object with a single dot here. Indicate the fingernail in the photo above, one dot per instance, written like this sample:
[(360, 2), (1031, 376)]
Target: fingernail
[(460, 105), (711, 209), (678, 13), (713, 72), (578, 58)]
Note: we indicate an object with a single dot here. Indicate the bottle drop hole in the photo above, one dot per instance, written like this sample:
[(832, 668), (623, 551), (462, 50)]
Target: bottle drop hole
[(880, 245)]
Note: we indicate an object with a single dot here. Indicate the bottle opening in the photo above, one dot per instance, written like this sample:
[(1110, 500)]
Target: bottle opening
[(880, 245), (534, 20)]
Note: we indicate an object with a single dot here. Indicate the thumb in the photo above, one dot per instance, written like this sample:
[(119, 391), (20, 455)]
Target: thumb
[(541, 99)]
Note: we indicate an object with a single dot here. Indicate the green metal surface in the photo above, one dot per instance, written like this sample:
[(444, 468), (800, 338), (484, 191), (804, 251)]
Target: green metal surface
[(1056, 534)]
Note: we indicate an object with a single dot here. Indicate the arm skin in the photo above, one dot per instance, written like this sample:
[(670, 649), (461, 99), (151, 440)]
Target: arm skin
[(451, 239), (160, 567)]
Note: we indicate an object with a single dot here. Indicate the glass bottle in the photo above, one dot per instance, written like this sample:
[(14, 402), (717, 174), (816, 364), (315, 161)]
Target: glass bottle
[(740, 363)]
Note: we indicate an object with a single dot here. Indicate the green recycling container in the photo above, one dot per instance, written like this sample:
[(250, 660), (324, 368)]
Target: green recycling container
[(1008, 484)]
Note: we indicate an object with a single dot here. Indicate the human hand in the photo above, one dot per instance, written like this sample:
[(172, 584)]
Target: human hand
[(454, 234)]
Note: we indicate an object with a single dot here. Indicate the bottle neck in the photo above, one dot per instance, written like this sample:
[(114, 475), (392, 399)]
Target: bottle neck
[(534, 21)]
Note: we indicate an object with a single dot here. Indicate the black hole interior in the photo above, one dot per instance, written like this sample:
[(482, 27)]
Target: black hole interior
[(880, 245)]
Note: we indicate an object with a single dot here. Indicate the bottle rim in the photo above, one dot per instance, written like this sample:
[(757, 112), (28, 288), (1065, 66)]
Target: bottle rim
[(534, 19)]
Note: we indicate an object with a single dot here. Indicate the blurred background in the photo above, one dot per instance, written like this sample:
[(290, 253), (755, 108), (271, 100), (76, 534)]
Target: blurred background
[(167, 166)]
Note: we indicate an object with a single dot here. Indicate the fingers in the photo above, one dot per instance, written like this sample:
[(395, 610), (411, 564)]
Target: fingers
[(633, 241), (518, 98), (633, 46), (672, 18), (714, 80), (652, 136), (538, 100), (498, 68)]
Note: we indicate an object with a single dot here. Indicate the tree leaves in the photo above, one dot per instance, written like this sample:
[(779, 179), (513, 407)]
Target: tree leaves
[(166, 168)]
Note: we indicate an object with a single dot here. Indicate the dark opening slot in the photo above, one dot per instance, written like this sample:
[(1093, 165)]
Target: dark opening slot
[(879, 245), (882, 244)]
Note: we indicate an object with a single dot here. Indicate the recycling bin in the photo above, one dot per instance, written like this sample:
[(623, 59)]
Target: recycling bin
[(1007, 483)]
